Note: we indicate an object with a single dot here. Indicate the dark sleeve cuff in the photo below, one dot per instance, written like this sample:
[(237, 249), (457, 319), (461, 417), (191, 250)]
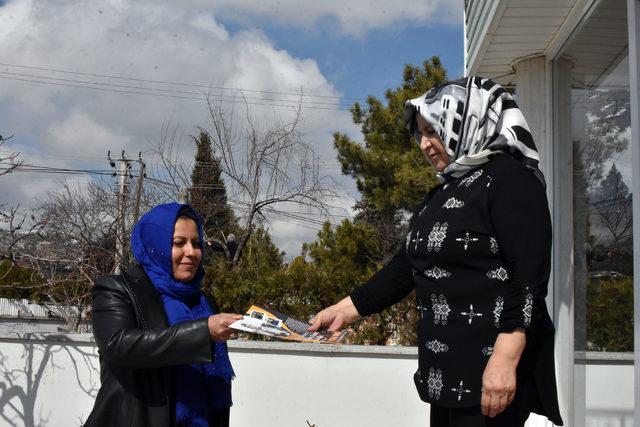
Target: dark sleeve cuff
[(363, 301), (521, 309)]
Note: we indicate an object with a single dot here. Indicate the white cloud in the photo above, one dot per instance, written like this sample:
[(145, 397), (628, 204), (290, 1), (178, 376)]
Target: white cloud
[(289, 236), (301, 225), (65, 136), (355, 17), (67, 126)]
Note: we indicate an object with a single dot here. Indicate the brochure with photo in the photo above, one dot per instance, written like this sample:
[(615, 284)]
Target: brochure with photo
[(265, 321)]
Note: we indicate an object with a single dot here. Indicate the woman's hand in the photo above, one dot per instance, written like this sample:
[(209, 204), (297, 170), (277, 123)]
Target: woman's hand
[(498, 386), (219, 326), (499, 377), (335, 317)]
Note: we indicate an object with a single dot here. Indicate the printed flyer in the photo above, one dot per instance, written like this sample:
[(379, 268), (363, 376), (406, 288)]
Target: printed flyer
[(265, 321)]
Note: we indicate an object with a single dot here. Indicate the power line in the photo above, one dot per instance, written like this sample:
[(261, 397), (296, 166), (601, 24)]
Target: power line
[(199, 95), (289, 215), (57, 70), (276, 99), (323, 165), (306, 223), (33, 168), (132, 92)]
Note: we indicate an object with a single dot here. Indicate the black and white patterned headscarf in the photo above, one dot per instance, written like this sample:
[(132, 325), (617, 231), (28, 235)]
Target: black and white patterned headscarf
[(475, 118)]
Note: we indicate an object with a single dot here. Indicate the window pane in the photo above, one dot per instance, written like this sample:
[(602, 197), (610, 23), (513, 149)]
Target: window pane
[(602, 182)]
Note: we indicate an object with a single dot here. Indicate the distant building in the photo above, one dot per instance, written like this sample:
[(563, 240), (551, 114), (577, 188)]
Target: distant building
[(24, 316)]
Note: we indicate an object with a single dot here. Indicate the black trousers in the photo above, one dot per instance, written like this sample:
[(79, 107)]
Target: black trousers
[(472, 417)]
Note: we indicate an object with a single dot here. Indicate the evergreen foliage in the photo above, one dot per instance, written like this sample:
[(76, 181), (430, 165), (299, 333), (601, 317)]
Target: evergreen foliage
[(393, 177), (208, 194), (610, 314), (389, 169), (257, 279), (18, 282)]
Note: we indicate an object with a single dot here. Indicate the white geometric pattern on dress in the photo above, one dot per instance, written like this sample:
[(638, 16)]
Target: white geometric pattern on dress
[(434, 383), (437, 273), (493, 245), (440, 309), (416, 240), (470, 314), (437, 346), (527, 309), (423, 209), (470, 179), (487, 351), (497, 311), (499, 273), (460, 390), (453, 203), (466, 239), (489, 179), (437, 236), (422, 309)]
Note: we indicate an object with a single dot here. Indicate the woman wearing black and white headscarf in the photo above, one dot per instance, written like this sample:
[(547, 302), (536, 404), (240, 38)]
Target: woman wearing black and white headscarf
[(478, 255)]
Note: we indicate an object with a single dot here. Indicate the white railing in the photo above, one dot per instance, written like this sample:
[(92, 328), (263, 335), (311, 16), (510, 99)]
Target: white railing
[(22, 308)]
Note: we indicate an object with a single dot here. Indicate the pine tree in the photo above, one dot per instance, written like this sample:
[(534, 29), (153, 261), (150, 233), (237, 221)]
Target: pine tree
[(392, 176), (258, 279), (390, 171), (208, 193), (612, 205)]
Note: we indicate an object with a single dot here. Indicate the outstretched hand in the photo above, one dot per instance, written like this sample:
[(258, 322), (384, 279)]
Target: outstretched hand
[(219, 325), (335, 317)]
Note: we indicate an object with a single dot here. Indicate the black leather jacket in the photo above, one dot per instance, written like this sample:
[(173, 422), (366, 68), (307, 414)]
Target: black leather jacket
[(138, 350)]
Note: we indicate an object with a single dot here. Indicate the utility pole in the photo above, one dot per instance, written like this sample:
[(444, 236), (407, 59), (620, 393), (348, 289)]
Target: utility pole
[(141, 175), (122, 192), (183, 197)]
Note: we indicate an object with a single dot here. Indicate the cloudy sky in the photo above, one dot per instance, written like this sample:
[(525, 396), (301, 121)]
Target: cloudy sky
[(80, 78)]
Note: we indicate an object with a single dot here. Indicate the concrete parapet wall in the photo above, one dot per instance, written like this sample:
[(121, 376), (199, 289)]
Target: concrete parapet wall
[(52, 380)]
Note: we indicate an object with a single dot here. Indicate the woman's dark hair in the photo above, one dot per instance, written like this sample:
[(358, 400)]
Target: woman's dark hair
[(187, 212)]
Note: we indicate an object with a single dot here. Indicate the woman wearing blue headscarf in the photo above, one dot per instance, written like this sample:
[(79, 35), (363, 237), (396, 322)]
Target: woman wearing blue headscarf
[(163, 356)]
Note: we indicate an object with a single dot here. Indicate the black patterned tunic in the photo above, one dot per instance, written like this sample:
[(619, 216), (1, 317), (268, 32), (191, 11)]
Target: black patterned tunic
[(478, 256)]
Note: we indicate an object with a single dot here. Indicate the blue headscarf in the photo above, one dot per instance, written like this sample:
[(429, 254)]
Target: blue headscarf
[(200, 388)]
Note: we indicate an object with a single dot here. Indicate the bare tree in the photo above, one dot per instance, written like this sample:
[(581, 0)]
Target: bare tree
[(612, 205), (8, 161), (9, 215), (18, 227), (76, 240), (607, 115), (173, 175), (268, 165), (265, 165)]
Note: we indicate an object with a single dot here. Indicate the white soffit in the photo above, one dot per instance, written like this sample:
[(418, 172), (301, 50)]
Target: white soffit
[(521, 28)]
